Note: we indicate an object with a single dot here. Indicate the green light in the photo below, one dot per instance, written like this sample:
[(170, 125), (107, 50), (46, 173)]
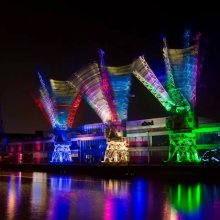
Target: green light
[(182, 147), (186, 199)]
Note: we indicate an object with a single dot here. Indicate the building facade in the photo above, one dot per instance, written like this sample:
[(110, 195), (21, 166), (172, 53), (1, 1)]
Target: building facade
[(147, 139)]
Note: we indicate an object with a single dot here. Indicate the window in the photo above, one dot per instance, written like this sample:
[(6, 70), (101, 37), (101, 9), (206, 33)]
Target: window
[(160, 140)]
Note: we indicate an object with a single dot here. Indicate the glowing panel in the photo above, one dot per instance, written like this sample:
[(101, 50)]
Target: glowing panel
[(146, 76), (88, 82), (47, 101), (67, 102), (120, 79), (182, 71), (107, 87)]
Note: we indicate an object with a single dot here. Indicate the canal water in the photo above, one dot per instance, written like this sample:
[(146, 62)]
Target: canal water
[(45, 196)]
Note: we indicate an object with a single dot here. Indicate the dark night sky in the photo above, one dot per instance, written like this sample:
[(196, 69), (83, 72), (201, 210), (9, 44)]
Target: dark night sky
[(58, 39)]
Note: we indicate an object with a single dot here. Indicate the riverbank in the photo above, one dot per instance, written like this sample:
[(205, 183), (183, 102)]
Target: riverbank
[(123, 170)]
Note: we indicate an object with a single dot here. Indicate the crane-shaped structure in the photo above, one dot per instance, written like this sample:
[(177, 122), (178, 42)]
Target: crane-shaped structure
[(59, 102), (106, 89), (178, 98), (119, 79)]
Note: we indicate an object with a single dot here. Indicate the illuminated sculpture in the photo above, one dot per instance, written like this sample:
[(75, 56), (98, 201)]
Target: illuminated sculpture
[(59, 103), (119, 79), (179, 99), (106, 89), (182, 71)]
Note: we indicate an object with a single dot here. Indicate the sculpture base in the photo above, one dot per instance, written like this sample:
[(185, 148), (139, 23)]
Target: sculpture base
[(116, 151), (61, 153), (183, 148)]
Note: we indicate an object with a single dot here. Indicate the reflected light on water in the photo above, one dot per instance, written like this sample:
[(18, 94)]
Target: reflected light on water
[(39, 193), (186, 198), (14, 194), (139, 198), (169, 212), (116, 187), (61, 183), (60, 197), (108, 209), (44, 196)]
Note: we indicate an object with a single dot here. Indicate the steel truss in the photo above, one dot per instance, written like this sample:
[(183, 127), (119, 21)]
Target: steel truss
[(62, 153), (182, 147), (116, 151)]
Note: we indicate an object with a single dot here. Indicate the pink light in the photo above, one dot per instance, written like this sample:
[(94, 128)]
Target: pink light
[(73, 110), (108, 209), (11, 148), (37, 146), (19, 147)]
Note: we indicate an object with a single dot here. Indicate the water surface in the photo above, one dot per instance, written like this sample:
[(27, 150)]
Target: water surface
[(44, 196)]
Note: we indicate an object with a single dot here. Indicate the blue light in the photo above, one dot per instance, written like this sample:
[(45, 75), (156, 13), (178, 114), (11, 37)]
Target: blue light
[(121, 90), (61, 153)]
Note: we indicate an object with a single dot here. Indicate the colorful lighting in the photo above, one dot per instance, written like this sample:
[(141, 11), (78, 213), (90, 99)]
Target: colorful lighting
[(146, 76), (60, 106), (88, 81), (47, 101), (116, 151), (120, 79), (61, 153), (181, 67), (186, 199), (107, 87)]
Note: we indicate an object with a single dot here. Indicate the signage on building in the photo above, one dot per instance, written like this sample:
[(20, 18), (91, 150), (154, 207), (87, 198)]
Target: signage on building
[(147, 123)]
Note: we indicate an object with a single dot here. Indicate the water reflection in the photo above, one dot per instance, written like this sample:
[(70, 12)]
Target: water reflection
[(61, 183), (39, 195), (195, 201), (139, 198), (60, 197), (116, 187), (14, 195), (44, 196)]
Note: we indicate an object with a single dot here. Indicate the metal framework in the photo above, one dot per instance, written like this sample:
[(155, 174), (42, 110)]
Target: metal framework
[(146, 76), (107, 86), (180, 97), (182, 147), (116, 151), (182, 71), (107, 91), (59, 103), (120, 79), (117, 82), (88, 82)]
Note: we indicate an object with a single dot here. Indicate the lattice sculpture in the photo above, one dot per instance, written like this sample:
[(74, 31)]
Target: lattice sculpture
[(59, 103), (180, 97), (182, 72)]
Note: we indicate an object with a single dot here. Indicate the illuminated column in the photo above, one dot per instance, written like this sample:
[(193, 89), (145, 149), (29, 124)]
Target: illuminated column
[(116, 151), (61, 153), (182, 70), (182, 147)]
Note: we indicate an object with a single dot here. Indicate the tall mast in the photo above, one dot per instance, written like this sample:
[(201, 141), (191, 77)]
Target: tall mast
[(106, 86)]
